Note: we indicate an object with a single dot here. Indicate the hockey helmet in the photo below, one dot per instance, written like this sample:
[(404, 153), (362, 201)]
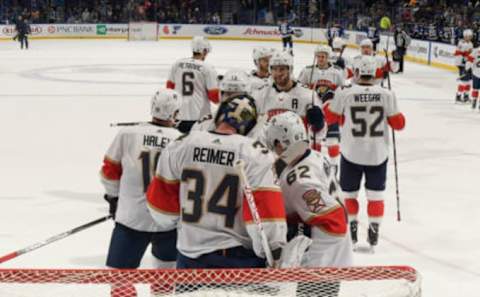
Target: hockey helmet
[(165, 104)]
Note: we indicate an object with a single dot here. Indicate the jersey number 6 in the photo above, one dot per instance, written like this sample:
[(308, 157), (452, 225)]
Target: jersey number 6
[(187, 83)]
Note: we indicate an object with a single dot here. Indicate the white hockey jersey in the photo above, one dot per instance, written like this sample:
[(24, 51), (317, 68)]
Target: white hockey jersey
[(473, 62), (464, 48), (382, 66), (306, 191), (196, 81), (197, 186), (271, 101), (128, 168), (366, 112), (322, 79), (258, 82)]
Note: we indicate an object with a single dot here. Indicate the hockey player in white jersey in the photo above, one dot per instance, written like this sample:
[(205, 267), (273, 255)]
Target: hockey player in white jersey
[(305, 183), (473, 67), (365, 112), (325, 78), (234, 82), (196, 81), (127, 169), (337, 58), (197, 188), (261, 75), (464, 48), (382, 66), (284, 94)]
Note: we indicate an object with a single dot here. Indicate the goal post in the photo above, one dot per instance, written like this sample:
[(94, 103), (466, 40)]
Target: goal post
[(143, 31), (384, 281)]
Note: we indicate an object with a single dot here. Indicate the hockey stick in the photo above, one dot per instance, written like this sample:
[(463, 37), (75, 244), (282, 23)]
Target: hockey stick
[(393, 139), (247, 190), (313, 95), (57, 237), (126, 124)]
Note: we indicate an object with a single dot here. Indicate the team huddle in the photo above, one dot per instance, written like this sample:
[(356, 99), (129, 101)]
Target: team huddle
[(305, 143)]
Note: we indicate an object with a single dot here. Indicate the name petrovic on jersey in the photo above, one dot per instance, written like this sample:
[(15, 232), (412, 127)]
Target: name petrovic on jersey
[(363, 98), (208, 155), (190, 66)]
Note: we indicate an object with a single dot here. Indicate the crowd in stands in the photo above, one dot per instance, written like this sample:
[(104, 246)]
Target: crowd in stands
[(438, 20)]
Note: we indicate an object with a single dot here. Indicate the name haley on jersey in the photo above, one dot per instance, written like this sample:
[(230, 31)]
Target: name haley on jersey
[(128, 167)]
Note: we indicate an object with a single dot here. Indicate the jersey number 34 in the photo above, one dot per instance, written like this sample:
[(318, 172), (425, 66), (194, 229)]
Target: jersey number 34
[(228, 187)]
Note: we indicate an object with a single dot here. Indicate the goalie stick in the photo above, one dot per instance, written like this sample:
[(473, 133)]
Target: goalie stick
[(49, 240), (247, 190)]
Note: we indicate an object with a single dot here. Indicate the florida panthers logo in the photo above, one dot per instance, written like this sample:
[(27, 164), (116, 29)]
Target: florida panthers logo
[(314, 200)]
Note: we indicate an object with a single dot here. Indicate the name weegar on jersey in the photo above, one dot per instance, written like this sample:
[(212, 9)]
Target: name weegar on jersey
[(128, 167), (196, 183)]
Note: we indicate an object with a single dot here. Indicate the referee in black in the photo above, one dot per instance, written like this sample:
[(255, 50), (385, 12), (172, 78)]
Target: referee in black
[(402, 41), (23, 29)]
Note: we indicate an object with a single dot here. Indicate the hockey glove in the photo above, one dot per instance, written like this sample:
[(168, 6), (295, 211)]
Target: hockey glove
[(340, 63), (315, 118), (279, 166), (113, 203)]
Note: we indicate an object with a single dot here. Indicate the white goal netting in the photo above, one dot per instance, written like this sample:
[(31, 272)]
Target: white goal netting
[(392, 281), (142, 31)]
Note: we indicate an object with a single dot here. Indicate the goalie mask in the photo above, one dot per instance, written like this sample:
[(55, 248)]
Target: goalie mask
[(165, 104), (288, 130), (239, 112)]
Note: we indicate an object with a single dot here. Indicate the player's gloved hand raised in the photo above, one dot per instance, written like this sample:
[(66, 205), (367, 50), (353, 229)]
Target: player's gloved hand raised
[(340, 63), (113, 203), (315, 118)]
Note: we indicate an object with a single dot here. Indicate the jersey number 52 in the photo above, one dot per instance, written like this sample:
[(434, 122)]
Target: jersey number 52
[(367, 121)]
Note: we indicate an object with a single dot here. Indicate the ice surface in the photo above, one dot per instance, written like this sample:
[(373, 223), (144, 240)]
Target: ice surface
[(58, 98)]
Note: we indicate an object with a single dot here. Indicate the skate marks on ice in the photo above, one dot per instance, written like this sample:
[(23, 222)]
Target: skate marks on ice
[(130, 74), (96, 198)]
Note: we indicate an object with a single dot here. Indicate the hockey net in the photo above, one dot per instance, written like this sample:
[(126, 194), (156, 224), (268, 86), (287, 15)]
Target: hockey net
[(142, 31), (391, 281)]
